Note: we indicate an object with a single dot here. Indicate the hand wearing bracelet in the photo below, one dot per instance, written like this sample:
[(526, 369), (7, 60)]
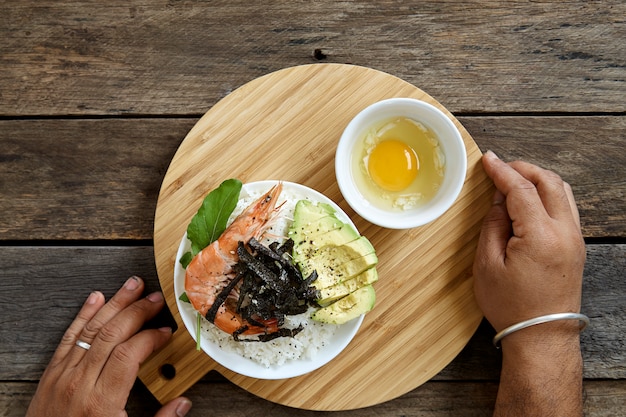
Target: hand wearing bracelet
[(584, 320), (530, 259)]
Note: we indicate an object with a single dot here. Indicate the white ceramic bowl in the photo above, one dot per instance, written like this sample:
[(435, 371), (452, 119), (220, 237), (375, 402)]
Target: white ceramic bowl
[(242, 365), (451, 144)]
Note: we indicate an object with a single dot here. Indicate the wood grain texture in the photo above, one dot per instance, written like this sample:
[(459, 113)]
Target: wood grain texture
[(95, 98), (34, 272), (433, 399), (425, 286), (83, 179), (95, 179), (588, 152), (181, 57)]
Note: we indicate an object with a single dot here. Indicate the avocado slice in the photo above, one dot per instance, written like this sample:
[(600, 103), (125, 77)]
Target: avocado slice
[(316, 225), (307, 211), (347, 308), (353, 249), (344, 261), (310, 237), (337, 263), (335, 292), (341, 253), (330, 273)]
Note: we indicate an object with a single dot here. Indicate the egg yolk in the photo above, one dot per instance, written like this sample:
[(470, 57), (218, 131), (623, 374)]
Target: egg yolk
[(392, 165)]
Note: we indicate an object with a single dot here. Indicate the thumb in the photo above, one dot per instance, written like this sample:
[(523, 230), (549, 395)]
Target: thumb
[(178, 407)]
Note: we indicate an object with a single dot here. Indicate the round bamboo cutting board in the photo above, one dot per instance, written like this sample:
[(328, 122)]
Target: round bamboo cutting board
[(285, 126)]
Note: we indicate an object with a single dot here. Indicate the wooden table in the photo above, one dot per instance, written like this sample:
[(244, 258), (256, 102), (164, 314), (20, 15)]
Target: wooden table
[(95, 98)]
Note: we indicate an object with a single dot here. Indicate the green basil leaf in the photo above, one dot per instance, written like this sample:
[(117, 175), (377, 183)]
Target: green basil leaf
[(185, 259), (210, 220), (184, 298)]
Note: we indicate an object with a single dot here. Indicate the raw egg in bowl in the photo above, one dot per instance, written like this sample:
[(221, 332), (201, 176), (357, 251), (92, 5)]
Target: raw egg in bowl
[(400, 163)]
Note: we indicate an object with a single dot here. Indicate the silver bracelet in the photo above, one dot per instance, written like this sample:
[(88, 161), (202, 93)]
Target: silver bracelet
[(584, 322)]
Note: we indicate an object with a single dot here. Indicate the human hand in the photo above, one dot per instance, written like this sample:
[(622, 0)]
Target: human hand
[(531, 253), (96, 382)]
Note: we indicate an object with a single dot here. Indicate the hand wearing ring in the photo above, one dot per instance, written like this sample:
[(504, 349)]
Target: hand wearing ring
[(96, 379)]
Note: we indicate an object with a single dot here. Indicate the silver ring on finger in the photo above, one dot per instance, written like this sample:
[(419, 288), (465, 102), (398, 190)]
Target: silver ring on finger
[(83, 344)]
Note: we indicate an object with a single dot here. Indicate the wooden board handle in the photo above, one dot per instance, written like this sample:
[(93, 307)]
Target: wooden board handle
[(171, 370)]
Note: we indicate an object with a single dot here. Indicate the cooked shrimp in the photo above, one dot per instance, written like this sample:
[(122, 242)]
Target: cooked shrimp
[(211, 270)]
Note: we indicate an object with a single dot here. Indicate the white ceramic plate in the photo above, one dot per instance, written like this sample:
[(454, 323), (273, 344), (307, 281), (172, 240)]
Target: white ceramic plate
[(237, 363)]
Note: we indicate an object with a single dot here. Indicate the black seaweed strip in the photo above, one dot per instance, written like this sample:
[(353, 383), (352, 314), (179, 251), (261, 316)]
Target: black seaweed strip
[(221, 297)]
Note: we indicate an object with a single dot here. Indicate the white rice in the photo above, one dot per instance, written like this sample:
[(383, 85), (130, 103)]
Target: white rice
[(304, 345)]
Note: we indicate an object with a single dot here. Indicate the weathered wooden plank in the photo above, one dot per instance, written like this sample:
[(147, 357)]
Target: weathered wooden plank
[(42, 288), (100, 178), (83, 179), (180, 57), (588, 152), (433, 399)]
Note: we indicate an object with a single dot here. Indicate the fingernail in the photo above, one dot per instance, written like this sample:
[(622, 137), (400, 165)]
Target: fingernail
[(93, 298), (491, 154), (183, 408), (155, 297), (132, 283), (165, 329)]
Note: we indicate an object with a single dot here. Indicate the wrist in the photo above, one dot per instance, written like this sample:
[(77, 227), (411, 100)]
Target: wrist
[(546, 344), (541, 371)]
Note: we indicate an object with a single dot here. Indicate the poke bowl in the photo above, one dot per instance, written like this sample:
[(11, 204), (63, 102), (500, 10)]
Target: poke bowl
[(315, 344)]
